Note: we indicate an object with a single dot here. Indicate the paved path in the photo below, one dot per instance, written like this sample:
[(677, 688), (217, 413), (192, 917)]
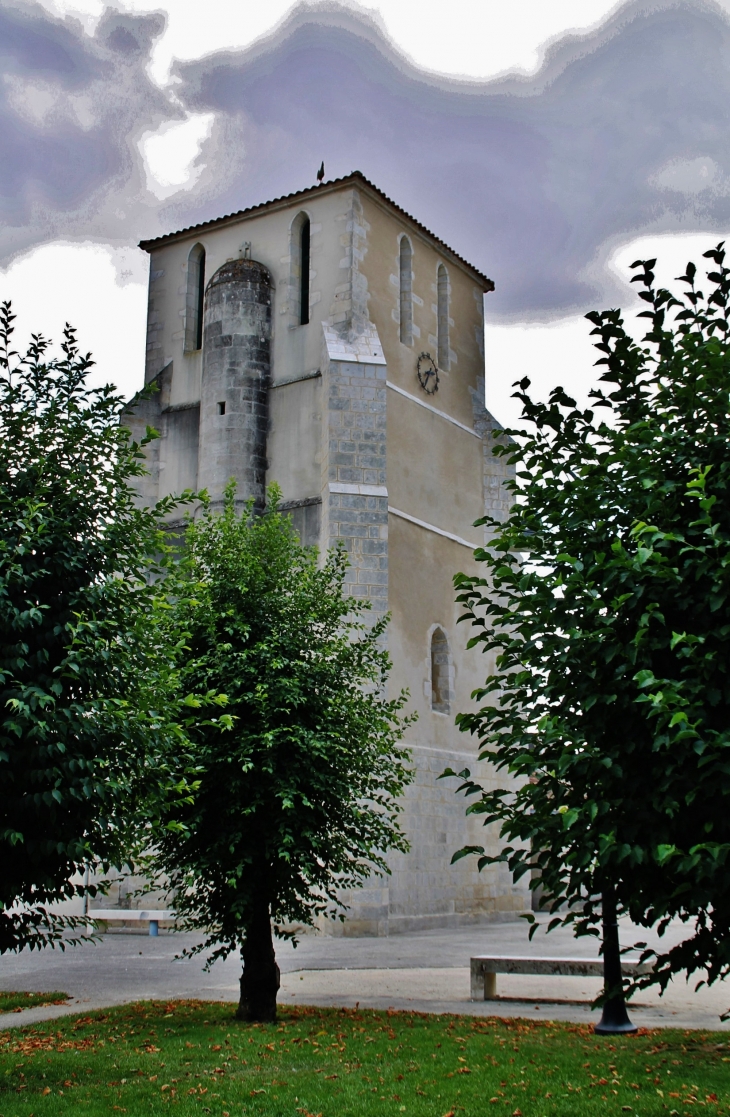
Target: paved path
[(427, 972)]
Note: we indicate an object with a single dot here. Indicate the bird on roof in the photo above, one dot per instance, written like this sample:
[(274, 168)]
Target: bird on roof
[(320, 174)]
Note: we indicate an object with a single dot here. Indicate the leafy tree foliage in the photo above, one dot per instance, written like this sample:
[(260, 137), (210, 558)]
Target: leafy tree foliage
[(92, 735), (299, 800), (607, 598)]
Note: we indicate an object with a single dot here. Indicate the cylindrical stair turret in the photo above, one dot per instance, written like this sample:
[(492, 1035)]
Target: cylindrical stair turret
[(234, 408)]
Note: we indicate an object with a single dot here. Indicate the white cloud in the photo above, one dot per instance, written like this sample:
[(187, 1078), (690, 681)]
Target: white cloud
[(561, 352), (687, 176), (99, 289), (557, 353), (170, 152), (482, 38), (475, 38), (672, 251)]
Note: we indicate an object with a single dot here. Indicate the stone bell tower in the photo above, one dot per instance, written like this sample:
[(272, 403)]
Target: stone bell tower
[(329, 342)]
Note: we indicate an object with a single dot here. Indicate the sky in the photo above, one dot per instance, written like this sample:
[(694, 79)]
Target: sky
[(550, 143)]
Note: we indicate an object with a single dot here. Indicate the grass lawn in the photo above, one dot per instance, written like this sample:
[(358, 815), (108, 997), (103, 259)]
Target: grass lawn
[(16, 1002), (191, 1057)]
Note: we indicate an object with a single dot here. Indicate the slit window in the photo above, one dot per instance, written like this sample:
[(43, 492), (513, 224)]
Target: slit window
[(304, 276), (222, 407), (300, 273), (406, 291), (442, 288), (442, 673), (194, 299)]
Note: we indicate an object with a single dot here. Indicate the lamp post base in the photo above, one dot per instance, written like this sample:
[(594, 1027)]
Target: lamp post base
[(615, 1020)]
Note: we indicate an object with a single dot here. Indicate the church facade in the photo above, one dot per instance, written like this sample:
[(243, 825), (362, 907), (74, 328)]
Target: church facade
[(329, 342)]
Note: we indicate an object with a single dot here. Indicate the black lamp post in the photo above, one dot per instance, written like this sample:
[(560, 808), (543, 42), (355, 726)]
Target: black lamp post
[(614, 1019)]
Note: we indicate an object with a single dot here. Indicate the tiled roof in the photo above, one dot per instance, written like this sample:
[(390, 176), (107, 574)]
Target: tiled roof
[(326, 187)]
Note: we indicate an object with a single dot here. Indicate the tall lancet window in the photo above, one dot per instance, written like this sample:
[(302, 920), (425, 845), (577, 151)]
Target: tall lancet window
[(304, 286), (406, 291), (442, 288), (300, 270), (442, 673), (195, 294)]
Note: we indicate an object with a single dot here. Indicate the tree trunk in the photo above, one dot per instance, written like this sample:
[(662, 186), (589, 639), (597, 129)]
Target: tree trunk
[(614, 1019), (260, 979)]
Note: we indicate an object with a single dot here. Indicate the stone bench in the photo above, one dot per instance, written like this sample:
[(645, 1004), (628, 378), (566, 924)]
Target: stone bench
[(123, 915), (484, 970)]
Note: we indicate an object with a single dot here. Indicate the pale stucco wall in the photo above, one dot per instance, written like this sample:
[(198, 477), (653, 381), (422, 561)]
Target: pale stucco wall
[(380, 265), (296, 349), (295, 422)]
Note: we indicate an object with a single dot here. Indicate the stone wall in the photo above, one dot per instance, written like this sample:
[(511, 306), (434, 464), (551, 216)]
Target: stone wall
[(354, 492)]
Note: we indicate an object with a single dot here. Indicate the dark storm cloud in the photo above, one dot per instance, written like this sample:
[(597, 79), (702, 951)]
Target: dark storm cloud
[(71, 107), (532, 180), (623, 131)]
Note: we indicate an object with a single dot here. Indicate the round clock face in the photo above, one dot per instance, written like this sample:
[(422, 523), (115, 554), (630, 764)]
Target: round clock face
[(428, 374)]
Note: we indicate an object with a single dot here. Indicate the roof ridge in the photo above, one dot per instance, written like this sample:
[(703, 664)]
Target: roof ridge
[(154, 242)]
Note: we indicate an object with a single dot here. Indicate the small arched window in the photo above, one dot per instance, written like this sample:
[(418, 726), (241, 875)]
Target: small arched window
[(442, 673), (442, 288), (300, 269), (406, 291), (195, 294)]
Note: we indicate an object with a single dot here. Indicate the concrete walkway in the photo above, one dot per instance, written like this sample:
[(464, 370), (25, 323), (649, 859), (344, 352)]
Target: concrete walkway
[(425, 972)]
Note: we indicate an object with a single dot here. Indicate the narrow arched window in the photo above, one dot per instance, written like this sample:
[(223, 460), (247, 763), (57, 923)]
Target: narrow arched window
[(194, 296), (304, 289), (406, 291), (442, 288), (300, 269), (442, 673)]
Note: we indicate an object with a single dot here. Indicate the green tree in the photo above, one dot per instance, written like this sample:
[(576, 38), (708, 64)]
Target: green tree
[(606, 598), (92, 735), (299, 801)]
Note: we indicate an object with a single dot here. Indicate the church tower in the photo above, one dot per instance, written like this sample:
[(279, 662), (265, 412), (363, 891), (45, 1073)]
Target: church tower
[(329, 342)]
